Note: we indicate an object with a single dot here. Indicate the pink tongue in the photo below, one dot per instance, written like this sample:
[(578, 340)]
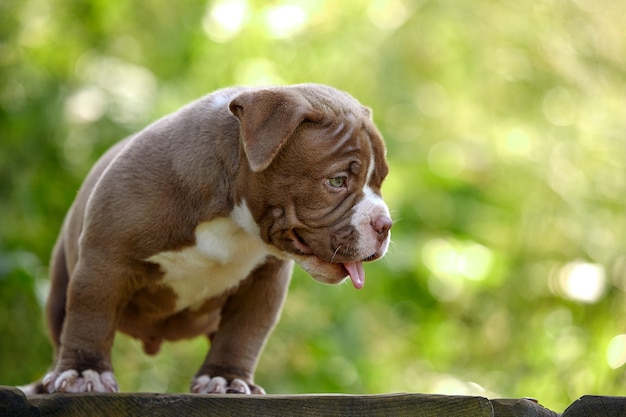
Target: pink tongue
[(357, 274)]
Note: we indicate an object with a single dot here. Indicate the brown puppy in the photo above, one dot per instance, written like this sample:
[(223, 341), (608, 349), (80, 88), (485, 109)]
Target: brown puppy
[(191, 227)]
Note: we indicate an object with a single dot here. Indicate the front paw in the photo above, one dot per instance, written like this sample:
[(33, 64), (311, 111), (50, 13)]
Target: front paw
[(204, 384), (73, 381)]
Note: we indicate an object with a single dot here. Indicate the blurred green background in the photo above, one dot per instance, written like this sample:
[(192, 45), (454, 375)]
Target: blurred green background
[(506, 131)]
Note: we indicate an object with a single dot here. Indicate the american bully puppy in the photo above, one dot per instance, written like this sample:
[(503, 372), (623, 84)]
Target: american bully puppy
[(191, 227)]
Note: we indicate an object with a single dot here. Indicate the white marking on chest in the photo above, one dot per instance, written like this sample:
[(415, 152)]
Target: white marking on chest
[(224, 254)]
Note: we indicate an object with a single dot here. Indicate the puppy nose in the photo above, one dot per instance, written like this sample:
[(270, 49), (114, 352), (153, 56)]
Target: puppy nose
[(381, 225)]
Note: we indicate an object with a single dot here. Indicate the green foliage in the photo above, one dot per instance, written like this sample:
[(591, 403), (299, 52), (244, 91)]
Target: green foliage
[(505, 130)]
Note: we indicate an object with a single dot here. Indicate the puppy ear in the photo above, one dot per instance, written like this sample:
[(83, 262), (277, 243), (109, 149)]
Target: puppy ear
[(268, 118)]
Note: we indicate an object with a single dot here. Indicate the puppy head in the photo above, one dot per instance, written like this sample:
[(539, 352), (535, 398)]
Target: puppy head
[(315, 165)]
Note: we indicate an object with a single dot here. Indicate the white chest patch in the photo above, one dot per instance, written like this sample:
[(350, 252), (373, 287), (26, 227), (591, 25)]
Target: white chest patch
[(224, 255)]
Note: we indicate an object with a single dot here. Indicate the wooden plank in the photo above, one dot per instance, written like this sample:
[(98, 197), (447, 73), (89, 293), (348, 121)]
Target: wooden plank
[(14, 403), (165, 405), (597, 406), (524, 407)]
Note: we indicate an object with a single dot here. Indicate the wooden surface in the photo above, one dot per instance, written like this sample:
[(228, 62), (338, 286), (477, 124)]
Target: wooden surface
[(13, 403), (520, 408), (597, 406)]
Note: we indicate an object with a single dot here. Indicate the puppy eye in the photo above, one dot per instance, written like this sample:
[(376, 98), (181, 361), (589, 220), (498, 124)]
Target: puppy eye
[(337, 182)]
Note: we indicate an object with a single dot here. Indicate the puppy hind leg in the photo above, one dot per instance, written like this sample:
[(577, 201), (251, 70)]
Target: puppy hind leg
[(93, 302), (55, 308), (57, 298)]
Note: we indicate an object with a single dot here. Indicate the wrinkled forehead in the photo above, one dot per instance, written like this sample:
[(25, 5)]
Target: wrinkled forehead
[(345, 142)]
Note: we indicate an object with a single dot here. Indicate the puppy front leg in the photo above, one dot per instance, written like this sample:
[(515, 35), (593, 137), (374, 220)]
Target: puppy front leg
[(247, 320), (84, 358)]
